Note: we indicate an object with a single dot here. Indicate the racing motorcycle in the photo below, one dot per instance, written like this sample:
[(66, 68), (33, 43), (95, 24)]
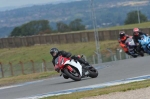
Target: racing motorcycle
[(71, 68), (145, 43), (132, 48)]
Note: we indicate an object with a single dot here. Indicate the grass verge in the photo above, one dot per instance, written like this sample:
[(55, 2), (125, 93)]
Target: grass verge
[(39, 52), (25, 78), (130, 26), (102, 91)]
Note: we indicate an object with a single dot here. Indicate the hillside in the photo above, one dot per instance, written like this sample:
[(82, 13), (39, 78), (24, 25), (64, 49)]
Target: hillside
[(108, 13)]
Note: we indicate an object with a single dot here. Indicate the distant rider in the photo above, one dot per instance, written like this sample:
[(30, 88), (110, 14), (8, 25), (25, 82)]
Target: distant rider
[(122, 39), (137, 36)]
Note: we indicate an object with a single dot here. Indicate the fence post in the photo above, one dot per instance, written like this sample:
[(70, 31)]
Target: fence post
[(111, 53), (11, 69), (115, 58), (94, 59), (33, 69), (22, 67), (2, 69), (45, 68), (119, 51)]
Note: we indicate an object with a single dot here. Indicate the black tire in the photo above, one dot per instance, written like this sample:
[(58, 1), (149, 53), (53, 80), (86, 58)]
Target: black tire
[(134, 56), (93, 73), (66, 77), (141, 53), (70, 75)]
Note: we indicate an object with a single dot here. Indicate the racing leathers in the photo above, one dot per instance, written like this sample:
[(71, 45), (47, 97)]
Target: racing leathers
[(136, 38), (123, 45), (68, 55)]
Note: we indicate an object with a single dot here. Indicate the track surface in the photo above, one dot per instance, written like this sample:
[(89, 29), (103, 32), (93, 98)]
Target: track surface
[(110, 71)]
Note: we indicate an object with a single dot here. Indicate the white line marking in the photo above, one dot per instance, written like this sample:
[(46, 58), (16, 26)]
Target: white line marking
[(112, 83)]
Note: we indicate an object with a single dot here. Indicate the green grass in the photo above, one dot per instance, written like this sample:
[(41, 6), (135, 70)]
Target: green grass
[(102, 91), (39, 52), (24, 78), (131, 26)]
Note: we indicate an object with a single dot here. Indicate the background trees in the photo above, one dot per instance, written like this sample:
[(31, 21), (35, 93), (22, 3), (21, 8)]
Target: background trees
[(62, 27), (132, 17), (43, 27), (31, 28), (76, 25)]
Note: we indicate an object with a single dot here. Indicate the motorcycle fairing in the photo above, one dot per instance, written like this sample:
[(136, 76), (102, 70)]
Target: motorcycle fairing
[(74, 64)]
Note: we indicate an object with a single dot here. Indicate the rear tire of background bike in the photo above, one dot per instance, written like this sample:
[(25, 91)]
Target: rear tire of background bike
[(93, 73), (141, 53), (72, 76)]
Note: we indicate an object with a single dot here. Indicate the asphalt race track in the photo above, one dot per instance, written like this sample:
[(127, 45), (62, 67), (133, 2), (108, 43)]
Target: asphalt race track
[(110, 71)]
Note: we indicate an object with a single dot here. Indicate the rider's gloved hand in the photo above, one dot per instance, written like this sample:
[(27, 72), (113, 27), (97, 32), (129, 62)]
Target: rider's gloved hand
[(57, 68), (73, 57)]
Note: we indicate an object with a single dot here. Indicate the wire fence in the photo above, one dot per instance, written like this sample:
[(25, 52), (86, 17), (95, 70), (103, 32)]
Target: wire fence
[(10, 69)]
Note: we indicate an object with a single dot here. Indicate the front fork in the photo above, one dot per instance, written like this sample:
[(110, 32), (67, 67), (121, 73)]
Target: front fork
[(69, 68)]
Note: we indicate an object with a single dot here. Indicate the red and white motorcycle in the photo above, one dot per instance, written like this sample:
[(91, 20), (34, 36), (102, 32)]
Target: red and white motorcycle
[(71, 68)]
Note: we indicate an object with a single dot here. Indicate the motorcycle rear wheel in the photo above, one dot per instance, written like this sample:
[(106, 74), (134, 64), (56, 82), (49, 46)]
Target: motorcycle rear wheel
[(93, 73), (141, 53)]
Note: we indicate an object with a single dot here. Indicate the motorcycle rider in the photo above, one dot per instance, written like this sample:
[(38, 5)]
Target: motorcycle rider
[(55, 53), (122, 38), (136, 36)]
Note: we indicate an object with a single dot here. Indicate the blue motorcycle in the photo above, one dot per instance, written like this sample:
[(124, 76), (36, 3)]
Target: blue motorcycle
[(145, 43)]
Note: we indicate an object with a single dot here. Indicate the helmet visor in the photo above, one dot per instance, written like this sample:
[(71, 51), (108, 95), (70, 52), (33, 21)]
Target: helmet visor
[(122, 35), (123, 38), (136, 33), (53, 53)]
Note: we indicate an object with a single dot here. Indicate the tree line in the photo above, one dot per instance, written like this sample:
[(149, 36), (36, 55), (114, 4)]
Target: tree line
[(37, 27), (43, 26)]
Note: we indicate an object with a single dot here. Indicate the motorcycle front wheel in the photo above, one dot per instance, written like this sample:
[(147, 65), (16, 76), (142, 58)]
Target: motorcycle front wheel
[(75, 75)]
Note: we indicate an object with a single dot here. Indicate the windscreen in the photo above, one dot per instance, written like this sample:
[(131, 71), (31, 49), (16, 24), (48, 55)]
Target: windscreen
[(59, 60), (130, 42)]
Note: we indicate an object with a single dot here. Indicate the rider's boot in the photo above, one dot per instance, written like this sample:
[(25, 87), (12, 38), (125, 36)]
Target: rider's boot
[(85, 72), (82, 61)]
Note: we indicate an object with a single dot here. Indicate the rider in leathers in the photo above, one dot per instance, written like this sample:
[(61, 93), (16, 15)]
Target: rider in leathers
[(136, 36), (55, 53), (122, 38)]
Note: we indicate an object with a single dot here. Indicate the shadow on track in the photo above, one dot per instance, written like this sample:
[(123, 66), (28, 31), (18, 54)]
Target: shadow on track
[(72, 81)]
